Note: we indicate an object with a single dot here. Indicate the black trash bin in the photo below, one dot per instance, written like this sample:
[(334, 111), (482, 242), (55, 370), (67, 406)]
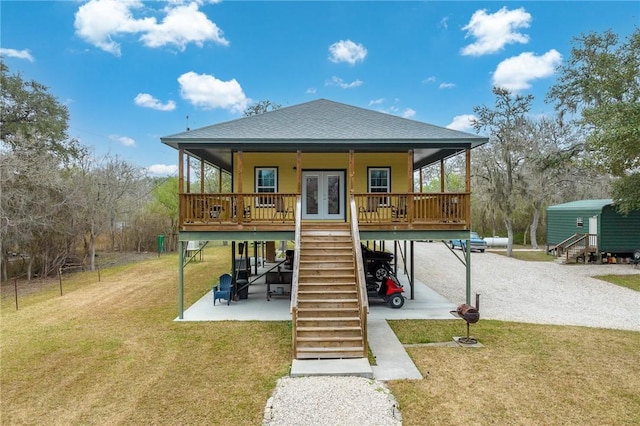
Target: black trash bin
[(242, 284), (288, 262)]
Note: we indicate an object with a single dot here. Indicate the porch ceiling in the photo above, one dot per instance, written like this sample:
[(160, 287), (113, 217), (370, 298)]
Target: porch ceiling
[(221, 156)]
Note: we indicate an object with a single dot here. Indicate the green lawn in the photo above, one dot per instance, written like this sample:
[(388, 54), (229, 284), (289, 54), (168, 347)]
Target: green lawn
[(629, 281), (109, 352), (528, 255)]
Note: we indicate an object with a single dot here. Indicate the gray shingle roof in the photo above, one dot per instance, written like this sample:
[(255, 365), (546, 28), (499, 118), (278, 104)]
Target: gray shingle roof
[(323, 120)]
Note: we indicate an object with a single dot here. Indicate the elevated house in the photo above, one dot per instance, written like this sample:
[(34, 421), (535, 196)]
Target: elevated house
[(327, 176)]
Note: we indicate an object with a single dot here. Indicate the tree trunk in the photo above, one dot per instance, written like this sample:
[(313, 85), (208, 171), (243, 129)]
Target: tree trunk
[(29, 268), (5, 272), (509, 237), (92, 249), (534, 227)]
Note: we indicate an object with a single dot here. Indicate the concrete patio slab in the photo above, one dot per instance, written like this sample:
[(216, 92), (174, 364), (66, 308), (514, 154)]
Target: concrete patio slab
[(427, 304)]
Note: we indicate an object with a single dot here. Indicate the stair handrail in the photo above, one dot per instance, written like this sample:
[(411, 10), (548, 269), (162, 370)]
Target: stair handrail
[(361, 283), (296, 257), (567, 242)]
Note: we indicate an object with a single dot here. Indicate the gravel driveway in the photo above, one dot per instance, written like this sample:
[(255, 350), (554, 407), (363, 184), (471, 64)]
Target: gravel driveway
[(532, 292)]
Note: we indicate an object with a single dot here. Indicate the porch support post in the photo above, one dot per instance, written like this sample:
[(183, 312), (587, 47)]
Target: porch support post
[(220, 180), (240, 210), (239, 187), (299, 170), (188, 173), (181, 279), (201, 176), (351, 170), (421, 181), (181, 171), (442, 175), (409, 201), (410, 171)]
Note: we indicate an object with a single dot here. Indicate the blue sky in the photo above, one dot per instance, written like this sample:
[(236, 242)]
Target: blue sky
[(132, 71)]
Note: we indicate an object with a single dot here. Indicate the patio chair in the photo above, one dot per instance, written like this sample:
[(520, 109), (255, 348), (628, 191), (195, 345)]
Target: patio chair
[(400, 211), (371, 208), (281, 209), (223, 289)]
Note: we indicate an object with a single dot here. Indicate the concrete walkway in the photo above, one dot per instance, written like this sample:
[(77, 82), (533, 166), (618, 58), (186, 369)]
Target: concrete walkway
[(392, 360)]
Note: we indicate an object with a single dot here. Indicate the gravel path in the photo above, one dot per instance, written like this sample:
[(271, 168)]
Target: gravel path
[(331, 401), (532, 292), (510, 290)]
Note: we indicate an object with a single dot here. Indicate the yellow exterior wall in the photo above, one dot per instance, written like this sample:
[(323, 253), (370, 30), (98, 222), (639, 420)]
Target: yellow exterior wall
[(287, 175)]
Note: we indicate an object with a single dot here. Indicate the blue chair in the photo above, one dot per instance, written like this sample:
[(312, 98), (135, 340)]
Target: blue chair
[(223, 289)]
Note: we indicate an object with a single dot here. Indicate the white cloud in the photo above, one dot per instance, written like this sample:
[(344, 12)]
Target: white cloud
[(444, 22), (206, 91), (123, 140), (462, 122), (20, 54), (147, 101), (494, 31), (100, 22), (162, 170), (184, 25), (347, 51), (337, 81), (376, 101), (408, 113), (446, 85), (311, 90), (431, 79), (516, 73)]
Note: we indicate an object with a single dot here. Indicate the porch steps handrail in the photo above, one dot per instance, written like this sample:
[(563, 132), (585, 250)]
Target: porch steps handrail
[(296, 257), (361, 283)]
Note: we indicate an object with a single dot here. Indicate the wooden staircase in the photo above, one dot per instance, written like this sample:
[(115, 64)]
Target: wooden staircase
[(575, 247), (328, 320)]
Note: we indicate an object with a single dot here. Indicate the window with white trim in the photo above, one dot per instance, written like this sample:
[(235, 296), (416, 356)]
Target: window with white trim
[(266, 181), (379, 180)]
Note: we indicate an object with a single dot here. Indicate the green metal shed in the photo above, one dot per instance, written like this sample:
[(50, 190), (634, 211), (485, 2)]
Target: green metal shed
[(616, 234)]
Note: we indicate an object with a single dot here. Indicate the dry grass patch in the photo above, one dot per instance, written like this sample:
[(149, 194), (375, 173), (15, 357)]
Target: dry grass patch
[(109, 352), (629, 281), (525, 374)]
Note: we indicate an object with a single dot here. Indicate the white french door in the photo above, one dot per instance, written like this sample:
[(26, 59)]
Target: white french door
[(323, 194)]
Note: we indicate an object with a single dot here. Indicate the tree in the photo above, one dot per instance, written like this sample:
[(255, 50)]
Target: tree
[(104, 185), (33, 120), (35, 201), (600, 83), (551, 152), (261, 107), (501, 160)]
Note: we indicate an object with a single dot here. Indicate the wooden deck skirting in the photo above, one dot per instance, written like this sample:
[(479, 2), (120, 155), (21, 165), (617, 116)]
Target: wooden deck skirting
[(276, 211)]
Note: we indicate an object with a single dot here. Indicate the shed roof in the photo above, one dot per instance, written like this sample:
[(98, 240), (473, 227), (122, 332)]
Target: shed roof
[(323, 126), (583, 205)]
